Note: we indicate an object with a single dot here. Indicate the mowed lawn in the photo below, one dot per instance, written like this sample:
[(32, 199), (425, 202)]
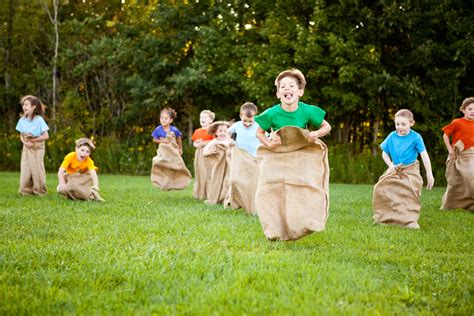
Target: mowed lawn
[(150, 252)]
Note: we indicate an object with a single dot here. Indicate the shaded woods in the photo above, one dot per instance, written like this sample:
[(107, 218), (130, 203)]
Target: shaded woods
[(105, 69)]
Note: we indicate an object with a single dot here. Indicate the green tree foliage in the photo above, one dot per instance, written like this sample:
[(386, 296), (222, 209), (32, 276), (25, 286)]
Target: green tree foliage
[(120, 63)]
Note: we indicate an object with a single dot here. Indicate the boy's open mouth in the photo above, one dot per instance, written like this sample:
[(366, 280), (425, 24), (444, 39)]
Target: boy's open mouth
[(287, 95)]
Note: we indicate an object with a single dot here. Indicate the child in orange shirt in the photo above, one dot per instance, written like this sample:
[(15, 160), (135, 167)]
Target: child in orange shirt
[(200, 139), (77, 174), (460, 164)]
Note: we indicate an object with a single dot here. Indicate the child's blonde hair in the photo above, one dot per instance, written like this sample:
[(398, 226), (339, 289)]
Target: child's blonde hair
[(209, 113), (212, 129), (406, 114), (40, 108), (248, 109), (293, 73), (466, 102), (171, 112)]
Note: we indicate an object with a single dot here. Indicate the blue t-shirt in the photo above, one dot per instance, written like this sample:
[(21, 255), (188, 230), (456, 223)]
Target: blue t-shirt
[(159, 132), (37, 126), (246, 138), (403, 149)]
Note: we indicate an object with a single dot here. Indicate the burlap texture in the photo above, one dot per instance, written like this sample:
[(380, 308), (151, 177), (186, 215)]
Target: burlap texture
[(218, 157), (292, 198), (79, 187), (396, 197), (202, 174), (32, 173), (168, 171), (460, 176), (243, 181)]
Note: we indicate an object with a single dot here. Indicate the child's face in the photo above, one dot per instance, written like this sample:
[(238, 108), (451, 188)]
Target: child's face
[(205, 120), (221, 133), (165, 119), (83, 152), (247, 121), (28, 108), (469, 112), (288, 91), (403, 125)]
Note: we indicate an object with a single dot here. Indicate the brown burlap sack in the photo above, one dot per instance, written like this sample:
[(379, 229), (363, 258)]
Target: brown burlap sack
[(243, 181), (292, 198), (168, 171), (32, 173), (396, 198), (79, 187), (460, 176), (218, 156), (202, 174)]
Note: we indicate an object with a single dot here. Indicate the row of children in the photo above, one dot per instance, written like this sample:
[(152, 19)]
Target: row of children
[(285, 179)]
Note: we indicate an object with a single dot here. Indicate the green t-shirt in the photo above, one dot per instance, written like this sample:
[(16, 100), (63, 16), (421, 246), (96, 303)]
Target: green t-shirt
[(276, 118)]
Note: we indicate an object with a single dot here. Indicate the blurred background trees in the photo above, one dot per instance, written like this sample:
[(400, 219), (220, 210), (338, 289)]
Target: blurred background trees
[(119, 62)]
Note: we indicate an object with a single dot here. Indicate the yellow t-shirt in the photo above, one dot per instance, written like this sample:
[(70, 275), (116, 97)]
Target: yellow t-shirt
[(72, 165)]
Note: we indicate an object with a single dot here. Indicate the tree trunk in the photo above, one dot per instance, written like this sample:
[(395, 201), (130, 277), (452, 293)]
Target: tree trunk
[(54, 20)]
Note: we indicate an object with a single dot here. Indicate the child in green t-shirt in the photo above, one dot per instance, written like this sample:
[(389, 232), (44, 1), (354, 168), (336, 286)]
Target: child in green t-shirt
[(291, 112)]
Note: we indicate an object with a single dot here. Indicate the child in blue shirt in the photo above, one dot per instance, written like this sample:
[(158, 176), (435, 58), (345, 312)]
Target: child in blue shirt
[(246, 129), (33, 132), (164, 132), (403, 145)]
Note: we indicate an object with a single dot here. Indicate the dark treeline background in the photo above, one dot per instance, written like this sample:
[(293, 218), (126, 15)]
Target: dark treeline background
[(106, 68)]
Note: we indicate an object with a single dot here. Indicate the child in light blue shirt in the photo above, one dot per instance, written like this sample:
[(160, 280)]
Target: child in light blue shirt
[(246, 129)]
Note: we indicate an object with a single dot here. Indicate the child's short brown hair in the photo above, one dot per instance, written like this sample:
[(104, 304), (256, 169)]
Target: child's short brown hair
[(211, 114), (212, 129), (248, 109), (85, 142), (293, 73), (466, 102), (406, 114)]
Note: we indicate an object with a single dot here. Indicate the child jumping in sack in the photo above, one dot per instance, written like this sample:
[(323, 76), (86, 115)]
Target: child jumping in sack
[(33, 132), (77, 174), (292, 198), (396, 198), (460, 163), (201, 170)]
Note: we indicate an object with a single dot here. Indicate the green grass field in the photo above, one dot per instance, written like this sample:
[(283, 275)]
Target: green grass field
[(145, 251)]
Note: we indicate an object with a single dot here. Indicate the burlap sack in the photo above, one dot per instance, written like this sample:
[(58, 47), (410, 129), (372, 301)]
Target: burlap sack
[(396, 198), (202, 174), (218, 156), (292, 198), (79, 187), (243, 181), (460, 176), (32, 173), (168, 171)]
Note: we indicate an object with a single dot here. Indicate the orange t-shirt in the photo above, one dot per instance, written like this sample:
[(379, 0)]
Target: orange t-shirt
[(201, 133), (461, 129), (72, 165)]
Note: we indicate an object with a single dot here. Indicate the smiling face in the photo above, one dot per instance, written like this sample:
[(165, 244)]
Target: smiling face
[(221, 133), (28, 109), (469, 112), (205, 120), (165, 119), (403, 125), (247, 121), (288, 91), (83, 152)]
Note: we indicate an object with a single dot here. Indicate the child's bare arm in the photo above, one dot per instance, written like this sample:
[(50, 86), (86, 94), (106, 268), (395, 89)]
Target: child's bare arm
[(180, 145), (429, 173), (323, 130), (161, 140), (62, 178), (387, 159), (41, 138), (271, 142), (95, 180), (447, 142)]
